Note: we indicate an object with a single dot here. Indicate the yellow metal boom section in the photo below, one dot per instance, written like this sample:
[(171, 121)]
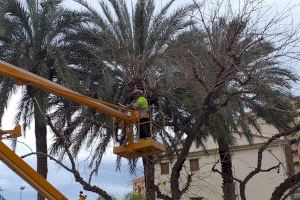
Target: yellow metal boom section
[(15, 163), (129, 117), (27, 78)]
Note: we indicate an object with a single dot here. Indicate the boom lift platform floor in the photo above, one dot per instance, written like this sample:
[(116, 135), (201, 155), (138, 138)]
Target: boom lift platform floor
[(143, 148)]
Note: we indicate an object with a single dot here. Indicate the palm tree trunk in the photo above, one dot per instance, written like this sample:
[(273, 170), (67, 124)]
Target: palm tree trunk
[(41, 140), (149, 177), (226, 169)]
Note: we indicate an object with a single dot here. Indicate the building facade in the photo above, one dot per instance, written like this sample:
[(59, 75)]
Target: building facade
[(207, 185), (138, 186)]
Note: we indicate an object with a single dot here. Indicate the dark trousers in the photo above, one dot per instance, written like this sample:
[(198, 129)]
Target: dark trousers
[(144, 128)]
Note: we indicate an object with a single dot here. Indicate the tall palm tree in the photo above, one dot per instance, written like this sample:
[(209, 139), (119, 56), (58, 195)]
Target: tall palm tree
[(31, 36), (265, 94), (132, 41), (123, 48), (233, 121), (254, 88)]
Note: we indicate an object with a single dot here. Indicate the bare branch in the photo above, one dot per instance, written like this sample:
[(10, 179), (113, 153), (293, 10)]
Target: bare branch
[(161, 195), (50, 157), (286, 185), (214, 169), (188, 183), (78, 178), (258, 168), (272, 168)]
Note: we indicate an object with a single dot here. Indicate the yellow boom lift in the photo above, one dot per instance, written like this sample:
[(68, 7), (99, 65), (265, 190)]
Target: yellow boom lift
[(131, 149)]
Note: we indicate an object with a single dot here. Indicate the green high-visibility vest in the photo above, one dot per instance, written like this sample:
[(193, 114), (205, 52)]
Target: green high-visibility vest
[(142, 103)]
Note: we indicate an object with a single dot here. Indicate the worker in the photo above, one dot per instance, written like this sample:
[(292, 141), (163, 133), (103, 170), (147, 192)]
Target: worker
[(140, 103), (81, 196)]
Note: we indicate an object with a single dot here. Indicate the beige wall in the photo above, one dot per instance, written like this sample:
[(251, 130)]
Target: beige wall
[(208, 184)]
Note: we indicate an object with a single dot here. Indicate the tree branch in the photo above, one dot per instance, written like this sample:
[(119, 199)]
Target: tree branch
[(285, 186), (291, 192), (214, 169), (161, 195), (188, 183), (50, 157), (271, 168), (78, 178), (259, 162)]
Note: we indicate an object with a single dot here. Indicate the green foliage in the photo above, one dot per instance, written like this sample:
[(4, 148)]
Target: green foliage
[(104, 54), (129, 196), (121, 48), (230, 74), (255, 87), (31, 37), (132, 196)]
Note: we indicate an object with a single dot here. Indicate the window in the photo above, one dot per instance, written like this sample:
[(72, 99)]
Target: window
[(194, 165), (164, 168)]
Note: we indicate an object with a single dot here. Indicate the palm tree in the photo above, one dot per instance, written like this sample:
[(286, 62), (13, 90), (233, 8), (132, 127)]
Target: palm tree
[(132, 42), (233, 121), (266, 97), (258, 90), (122, 49), (31, 36)]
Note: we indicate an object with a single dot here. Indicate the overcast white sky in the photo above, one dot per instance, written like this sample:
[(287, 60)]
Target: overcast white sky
[(117, 183)]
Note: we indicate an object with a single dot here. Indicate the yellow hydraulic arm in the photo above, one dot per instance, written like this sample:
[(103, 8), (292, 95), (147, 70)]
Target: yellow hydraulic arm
[(15, 163), (130, 117), (27, 78)]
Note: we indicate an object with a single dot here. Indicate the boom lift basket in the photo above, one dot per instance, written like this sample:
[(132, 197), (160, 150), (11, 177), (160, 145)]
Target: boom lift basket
[(140, 147), (131, 149)]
